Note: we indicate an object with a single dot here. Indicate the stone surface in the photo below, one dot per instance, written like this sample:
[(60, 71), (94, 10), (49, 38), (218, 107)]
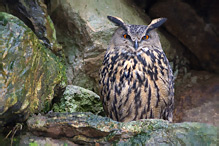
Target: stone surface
[(28, 72), (197, 98), (78, 99), (213, 13), (86, 128), (28, 139), (84, 32), (31, 140), (34, 14), (192, 30), (208, 10)]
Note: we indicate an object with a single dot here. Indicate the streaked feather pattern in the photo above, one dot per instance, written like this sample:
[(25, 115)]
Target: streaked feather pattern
[(136, 84)]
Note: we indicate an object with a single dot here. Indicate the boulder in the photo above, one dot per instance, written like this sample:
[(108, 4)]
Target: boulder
[(198, 35), (84, 31), (197, 98), (78, 99), (89, 129), (34, 14), (209, 11), (28, 72)]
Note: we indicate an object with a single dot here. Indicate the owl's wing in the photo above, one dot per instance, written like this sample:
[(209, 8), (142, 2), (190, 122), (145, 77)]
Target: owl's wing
[(166, 80), (104, 83), (159, 74)]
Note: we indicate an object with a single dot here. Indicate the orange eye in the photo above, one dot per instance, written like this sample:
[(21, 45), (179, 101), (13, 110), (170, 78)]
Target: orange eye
[(126, 36), (145, 37)]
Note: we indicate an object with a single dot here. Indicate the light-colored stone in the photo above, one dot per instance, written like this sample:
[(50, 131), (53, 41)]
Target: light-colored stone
[(78, 99)]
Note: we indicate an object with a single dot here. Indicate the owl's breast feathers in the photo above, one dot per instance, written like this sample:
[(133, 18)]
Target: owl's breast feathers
[(137, 85)]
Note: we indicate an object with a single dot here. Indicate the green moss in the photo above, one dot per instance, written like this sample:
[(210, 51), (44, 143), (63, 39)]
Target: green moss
[(33, 144), (29, 71), (142, 132), (78, 99)]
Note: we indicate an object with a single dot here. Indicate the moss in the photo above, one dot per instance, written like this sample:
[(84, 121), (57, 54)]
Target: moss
[(33, 144), (78, 99), (109, 132), (29, 71)]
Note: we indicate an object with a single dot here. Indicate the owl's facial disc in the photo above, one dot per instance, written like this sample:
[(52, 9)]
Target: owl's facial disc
[(135, 41), (136, 33)]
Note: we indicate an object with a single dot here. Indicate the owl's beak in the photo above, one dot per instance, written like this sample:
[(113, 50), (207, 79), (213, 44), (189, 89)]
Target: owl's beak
[(136, 44)]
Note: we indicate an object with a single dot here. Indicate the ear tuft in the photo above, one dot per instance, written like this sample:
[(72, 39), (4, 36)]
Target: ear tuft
[(116, 20), (156, 23)]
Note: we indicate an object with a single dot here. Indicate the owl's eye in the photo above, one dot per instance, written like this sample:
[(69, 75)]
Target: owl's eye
[(145, 37), (126, 36)]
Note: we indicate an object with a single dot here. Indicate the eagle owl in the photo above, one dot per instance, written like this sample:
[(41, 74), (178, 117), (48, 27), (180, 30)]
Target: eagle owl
[(136, 80)]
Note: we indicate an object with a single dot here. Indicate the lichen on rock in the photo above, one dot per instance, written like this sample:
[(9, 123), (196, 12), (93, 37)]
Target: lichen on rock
[(78, 99), (34, 14), (86, 128), (28, 72)]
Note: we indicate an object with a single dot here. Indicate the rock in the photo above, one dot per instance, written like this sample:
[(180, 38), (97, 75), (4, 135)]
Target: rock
[(144, 4), (2, 7), (197, 98), (86, 128), (191, 29), (209, 11), (28, 72), (28, 139), (213, 15), (78, 99), (34, 14), (84, 31)]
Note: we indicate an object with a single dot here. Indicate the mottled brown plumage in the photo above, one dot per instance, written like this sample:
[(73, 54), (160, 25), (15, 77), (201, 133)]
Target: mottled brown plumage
[(136, 80)]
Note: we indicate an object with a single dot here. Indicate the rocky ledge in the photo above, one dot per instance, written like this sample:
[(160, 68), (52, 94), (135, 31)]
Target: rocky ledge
[(87, 128)]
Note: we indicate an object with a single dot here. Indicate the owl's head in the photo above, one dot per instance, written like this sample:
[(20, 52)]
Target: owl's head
[(136, 36)]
